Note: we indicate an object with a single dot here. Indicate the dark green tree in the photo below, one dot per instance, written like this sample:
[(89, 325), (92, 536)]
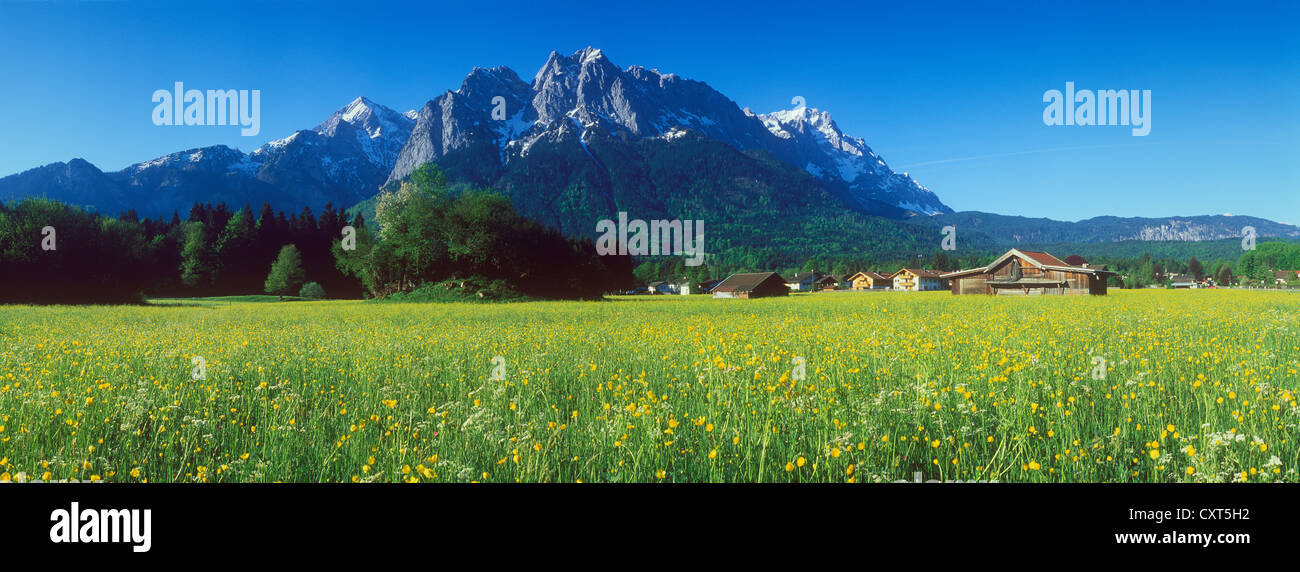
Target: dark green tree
[(287, 274), (1194, 266)]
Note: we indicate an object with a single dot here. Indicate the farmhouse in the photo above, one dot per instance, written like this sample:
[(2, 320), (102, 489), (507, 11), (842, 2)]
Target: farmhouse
[(663, 288), (870, 281), (1026, 273), (1282, 277), (803, 281), (751, 285), (707, 285), (826, 283), (918, 279)]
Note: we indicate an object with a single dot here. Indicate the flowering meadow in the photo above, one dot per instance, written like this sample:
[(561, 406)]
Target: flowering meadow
[(1136, 386)]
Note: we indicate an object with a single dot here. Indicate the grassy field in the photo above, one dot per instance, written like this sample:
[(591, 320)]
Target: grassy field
[(835, 387)]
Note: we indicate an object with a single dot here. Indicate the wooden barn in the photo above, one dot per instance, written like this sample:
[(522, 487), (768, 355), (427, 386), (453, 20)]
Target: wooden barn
[(751, 285), (870, 281), (918, 279), (1027, 273)]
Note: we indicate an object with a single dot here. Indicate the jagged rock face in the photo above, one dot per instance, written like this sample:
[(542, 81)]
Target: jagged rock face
[(457, 120)]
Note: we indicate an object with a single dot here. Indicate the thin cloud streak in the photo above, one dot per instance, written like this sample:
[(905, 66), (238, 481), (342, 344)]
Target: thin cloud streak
[(1018, 153)]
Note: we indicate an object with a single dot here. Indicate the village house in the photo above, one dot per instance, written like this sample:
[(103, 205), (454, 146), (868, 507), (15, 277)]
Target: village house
[(706, 286), (1282, 277), (1183, 281), (870, 281), (827, 283), (803, 281), (663, 288), (1027, 273), (918, 279), (751, 285)]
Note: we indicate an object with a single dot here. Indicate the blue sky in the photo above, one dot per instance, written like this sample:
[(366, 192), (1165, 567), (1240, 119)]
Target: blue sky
[(950, 92)]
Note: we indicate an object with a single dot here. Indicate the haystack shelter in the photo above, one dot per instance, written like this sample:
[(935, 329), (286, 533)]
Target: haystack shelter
[(1028, 273)]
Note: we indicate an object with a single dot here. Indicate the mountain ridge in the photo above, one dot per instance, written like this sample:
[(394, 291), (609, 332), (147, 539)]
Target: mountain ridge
[(579, 140)]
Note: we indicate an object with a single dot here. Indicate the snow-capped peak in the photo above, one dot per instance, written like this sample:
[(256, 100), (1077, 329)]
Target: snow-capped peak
[(787, 123), (829, 154), (589, 54), (359, 108), (374, 119)]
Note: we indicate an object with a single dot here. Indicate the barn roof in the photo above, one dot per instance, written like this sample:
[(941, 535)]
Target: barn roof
[(746, 282), (1041, 260)]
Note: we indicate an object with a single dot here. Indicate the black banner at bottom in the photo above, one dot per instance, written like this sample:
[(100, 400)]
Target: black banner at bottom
[(305, 522)]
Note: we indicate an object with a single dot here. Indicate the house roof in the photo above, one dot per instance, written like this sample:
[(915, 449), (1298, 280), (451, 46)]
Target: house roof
[(1040, 260), (918, 272), (801, 276), (747, 282), (871, 275)]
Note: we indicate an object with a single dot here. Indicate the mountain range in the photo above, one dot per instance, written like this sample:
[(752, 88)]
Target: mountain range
[(580, 141)]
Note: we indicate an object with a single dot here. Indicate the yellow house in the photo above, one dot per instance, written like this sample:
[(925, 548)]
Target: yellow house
[(870, 281)]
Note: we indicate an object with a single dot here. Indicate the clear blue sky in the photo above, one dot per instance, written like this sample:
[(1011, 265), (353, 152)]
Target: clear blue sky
[(948, 91)]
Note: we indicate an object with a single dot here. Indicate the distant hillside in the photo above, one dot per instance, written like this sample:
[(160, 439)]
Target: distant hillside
[(1018, 230), (1225, 249)]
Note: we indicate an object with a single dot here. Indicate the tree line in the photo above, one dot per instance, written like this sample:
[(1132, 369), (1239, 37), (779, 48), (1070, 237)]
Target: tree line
[(55, 253)]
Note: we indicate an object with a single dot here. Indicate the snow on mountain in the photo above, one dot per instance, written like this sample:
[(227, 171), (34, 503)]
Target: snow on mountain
[(343, 160), (587, 89), (831, 155), (495, 117), (378, 132)]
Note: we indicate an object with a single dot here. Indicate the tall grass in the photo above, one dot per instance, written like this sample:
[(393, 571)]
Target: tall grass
[(1198, 386)]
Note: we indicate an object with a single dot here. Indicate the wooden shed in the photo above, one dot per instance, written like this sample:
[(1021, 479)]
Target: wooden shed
[(826, 283), (751, 285), (1028, 273)]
